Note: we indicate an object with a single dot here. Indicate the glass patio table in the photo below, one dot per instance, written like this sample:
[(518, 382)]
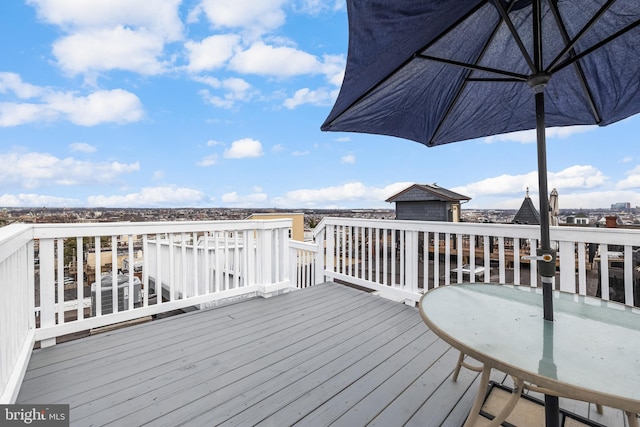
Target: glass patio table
[(590, 352)]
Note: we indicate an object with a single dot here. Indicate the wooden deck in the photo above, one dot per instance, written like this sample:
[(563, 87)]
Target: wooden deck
[(326, 355)]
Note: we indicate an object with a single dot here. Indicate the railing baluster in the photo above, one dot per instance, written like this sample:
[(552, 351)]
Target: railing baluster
[(472, 258), (436, 259), (80, 278), (582, 269), (516, 261), (487, 258), (459, 257), (158, 280), (145, 270), (447, 259), (60, 280), (533, 266), (604, 271), (115, 288), (502, 273), (132, 295), (628, 275), (98, 277), (425, 261)]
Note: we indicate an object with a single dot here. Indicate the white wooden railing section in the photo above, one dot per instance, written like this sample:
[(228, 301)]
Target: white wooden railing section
[(388, 256), (203, 264), (17, 322)]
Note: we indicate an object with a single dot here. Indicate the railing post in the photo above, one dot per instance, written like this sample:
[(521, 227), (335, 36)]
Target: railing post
[(47, 288), (266, 256), (321, 257), (330, 236), (411, 269)]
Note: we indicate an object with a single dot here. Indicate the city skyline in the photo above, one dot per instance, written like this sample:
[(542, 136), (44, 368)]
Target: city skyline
[(170, 104)]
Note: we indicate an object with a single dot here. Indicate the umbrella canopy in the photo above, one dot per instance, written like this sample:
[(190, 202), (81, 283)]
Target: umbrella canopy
[(437, 71)]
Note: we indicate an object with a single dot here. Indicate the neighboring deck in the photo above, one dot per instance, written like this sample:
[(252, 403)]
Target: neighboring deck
[(324, 355)]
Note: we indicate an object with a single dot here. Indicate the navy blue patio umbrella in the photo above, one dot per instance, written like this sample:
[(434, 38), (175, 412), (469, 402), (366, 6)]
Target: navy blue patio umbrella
[(441, 71)]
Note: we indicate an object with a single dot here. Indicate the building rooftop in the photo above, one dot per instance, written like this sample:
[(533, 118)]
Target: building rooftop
[(426, 192)]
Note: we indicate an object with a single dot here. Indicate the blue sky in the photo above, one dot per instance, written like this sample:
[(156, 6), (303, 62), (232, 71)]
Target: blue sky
[(218, 103)]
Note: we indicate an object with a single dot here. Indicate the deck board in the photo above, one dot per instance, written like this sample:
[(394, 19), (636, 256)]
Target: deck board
[(325, 355)]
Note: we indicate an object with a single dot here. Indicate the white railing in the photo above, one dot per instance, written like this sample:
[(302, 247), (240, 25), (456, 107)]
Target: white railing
[(303, 256), (243, 259), (403, 258), (57, 279), (17, 326)]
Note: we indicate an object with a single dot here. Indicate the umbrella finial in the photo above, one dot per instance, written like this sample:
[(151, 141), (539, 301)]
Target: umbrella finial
[(527, 194)]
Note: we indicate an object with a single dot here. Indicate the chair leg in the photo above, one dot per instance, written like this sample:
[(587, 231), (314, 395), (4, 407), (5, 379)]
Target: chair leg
[(599, 408)]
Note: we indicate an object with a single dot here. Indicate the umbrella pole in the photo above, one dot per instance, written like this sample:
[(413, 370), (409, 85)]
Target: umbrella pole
[(546, 265)]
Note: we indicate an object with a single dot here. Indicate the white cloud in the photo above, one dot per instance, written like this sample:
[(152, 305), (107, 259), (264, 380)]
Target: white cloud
[(83, 147), (343, 139), (112, 34), (529, 136), (574, 177), (283, 61), (315, 7), (213, 143), (158, 16), (208, 161), (300, 153), (110, 49), (254, 17), (255, 199), (348, 159), (117, 106), (277, 148), (237, 90), (12, 83), (322, 97), (354, 194), (33, 170), (151, 197), (631, 181), (102, 106), (626, 159), (212, 52), (243, 148), (158, 176), (36, 200)]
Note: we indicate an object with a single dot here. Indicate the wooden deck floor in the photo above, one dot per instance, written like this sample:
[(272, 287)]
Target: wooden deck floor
[(327, 355)]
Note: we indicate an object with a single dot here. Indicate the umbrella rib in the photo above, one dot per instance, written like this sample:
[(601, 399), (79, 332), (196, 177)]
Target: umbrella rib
[(473, 67), (570, 46), (409, 59), (514, 33), (578, 66), (595, 47), (467, 80)]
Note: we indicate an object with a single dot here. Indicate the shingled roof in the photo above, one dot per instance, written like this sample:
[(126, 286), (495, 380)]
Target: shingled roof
[(426, 192), (528, 214)]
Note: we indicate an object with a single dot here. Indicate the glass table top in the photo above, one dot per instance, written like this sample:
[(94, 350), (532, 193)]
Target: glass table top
[(591, 344)]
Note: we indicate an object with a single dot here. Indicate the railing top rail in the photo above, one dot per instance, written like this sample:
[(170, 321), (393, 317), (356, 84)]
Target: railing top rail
[(622, 236), (506, 230), (14, 237), (136, 228)]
